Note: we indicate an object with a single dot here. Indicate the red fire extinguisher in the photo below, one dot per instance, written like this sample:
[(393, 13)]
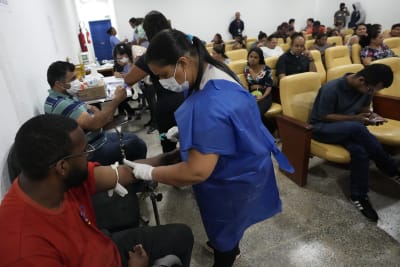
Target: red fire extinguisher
[(87, 36), (82, 40)]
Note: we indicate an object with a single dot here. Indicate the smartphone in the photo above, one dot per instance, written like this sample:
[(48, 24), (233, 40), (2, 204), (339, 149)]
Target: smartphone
[(376, 120)]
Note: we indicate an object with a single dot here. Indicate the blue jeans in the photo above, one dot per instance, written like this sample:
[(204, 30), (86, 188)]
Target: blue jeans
[(135, 148), (363, 147)]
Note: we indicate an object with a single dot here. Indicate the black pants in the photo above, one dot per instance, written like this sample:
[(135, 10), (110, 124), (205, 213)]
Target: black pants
[(226, 258), (158, 241), (167, 103), (150, 95)]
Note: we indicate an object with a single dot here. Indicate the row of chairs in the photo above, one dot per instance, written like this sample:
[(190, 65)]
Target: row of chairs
[(297, 93)]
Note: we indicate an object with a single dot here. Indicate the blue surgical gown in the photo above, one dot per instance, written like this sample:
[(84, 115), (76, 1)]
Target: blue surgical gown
[(223, 119)]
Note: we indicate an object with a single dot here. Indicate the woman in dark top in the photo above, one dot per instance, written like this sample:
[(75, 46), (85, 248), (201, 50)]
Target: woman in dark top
[(167, 101), (259, 79), (296, 60)]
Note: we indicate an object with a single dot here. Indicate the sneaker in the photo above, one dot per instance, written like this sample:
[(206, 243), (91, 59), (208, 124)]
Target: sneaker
[(365, 207), (210, 249)]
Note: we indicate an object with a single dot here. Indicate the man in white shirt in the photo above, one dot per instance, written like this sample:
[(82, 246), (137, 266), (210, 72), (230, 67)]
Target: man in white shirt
[(272, 48)]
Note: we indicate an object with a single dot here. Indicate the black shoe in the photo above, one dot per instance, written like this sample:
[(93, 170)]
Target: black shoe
[(210, 249), (365, 207)]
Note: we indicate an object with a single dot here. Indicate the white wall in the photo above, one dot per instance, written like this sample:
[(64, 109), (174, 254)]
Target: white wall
[(33, 34), (206, 17)]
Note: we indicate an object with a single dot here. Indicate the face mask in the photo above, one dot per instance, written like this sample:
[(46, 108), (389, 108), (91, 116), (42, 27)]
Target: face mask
[(75, 87), (172, 85), (123, 60)]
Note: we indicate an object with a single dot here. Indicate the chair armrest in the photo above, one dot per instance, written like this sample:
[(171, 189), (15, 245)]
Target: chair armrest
[(296, 139), (387, 106)]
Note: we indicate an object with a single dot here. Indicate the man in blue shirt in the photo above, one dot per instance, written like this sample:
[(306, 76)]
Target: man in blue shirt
[(340, 114)]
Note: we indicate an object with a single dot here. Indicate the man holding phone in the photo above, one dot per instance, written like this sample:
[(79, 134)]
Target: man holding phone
[(340, 115)]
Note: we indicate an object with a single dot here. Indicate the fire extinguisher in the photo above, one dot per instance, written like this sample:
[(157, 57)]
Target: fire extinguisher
[(82, 40), (87, 36)]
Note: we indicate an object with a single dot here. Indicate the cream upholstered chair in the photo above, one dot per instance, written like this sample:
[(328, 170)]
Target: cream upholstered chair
[(298, 93), (389, 132), (285, 46), (337, 40), (355, 54), (271, 62), (394, 44), (237, 66), (237, 54), (347, 31), (339, 71), (243, 80), (387, 101), (309, 43), (250, 41), (337, 56), (319, 65)]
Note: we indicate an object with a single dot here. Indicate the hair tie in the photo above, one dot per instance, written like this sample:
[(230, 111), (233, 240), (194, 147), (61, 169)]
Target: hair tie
[(190, 38)]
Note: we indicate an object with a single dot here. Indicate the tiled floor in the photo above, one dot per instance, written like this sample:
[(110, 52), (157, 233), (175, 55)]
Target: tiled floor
[(318, 225)]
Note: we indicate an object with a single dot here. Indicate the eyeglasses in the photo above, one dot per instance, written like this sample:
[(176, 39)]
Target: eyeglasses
[(88, 153)]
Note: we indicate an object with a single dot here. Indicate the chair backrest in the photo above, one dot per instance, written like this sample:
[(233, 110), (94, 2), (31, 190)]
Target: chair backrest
[(394, 44), (250, 41), (209, 49), (347, 31), (309, 43), (339, 71), (271, 62), (285, 47), (237, 54), (243, 80), (237, 66), (355, 53), (337, 56), (394, 63), (298, 93), (228, 47), (319, 65), (346, 38), (335, 40)]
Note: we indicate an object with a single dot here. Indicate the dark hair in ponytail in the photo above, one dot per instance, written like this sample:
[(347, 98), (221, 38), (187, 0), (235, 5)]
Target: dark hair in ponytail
[(168, 46)]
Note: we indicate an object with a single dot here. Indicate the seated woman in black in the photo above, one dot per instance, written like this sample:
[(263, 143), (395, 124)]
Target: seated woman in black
[(259, 79), (296, 59)]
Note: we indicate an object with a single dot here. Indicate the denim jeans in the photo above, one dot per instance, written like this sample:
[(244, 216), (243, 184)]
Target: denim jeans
[(363, 147), (110, 152)]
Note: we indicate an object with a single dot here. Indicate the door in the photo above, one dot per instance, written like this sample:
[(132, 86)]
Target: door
[(100, 38)]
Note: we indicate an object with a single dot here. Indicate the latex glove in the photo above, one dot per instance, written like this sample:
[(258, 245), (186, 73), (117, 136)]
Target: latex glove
[(140, 170), (173, 134), (119, 188)]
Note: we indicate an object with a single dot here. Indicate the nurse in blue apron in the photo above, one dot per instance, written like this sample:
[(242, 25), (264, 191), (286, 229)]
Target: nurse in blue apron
[(225, 148)]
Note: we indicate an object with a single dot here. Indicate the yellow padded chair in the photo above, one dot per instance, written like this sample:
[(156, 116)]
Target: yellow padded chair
[(243, 80), (389, 132), (347, 31), (271, 62), (285, 47), (319, 65), (394, 44), (337, 56), (337, 40), (355, 54), (250, 41), (387, 101), (309, 43), (339, 71), (228, 47), (298, 93), (237, 66), (237, 54)]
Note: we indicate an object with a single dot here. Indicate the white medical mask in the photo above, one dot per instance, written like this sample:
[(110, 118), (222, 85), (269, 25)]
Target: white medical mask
[(172, 85), (75, 87), (123, 60)]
